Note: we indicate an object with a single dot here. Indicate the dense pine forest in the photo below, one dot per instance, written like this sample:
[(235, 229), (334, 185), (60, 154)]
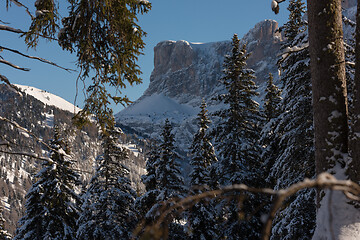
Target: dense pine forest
[(279, 161)]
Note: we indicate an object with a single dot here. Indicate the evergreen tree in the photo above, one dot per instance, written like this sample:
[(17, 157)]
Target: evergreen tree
[(237, 134), (145, 202), (170, 184), (51, 205), (295, 154), (4, 235), (202, 217), (108, 212), (202, 152), (272, 100), (168, 173), (269, 137), (149, 179), (237, 140)]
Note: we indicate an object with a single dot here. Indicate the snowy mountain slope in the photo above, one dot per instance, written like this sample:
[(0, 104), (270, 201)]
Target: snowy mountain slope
[(49, 98), (38, 111)]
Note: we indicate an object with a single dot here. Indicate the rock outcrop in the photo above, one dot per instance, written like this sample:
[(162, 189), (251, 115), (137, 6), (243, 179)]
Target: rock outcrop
[(184, 70)]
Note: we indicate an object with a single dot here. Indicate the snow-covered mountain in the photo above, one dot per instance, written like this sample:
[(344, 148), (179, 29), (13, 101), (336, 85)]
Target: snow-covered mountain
[(185, 73), (48, 98)]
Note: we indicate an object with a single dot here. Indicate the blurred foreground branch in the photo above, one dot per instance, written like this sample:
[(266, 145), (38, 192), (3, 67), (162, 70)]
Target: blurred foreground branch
[(158, 230)]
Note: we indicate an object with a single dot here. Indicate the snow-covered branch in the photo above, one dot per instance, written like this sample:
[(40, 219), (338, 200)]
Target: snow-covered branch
[(174, 207), (288, 51), (275, 5)]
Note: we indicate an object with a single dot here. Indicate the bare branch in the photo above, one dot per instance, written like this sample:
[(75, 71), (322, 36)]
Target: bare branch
[(1, 21), (15, 124), (36, 156), (32, 155), (15, 30), (36, 58), (13, 65), (4, 79), (10, 29), (3, 143)]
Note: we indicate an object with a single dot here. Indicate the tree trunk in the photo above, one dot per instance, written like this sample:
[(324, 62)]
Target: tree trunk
[(336, 219), (354, 170), (328, 80)]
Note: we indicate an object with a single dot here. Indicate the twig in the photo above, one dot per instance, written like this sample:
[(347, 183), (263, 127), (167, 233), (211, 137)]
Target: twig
[(15, 30), (5, 80), (1, 21), (13, 65), (36, 58), (19, 4)]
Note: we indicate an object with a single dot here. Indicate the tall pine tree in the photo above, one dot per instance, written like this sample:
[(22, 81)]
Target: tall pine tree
[(237, 134), (51, 205), (145, 202), (269, 137), (168, 174), (170, 183), (202, 216), (108, 211), (237, 140), (295, 158)]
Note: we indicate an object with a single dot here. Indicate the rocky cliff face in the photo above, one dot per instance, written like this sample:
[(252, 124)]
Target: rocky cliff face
[(184, 70), (185, 73)]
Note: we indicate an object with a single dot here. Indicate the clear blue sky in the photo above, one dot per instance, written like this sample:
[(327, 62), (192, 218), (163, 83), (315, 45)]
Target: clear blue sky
[(191, 20)]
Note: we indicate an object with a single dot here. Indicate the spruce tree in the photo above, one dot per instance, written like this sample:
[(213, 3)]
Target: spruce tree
[(51, 205), (295, 158), (202, 216), (168, 173), (272, 100), (269, 137), (237, 134), (108, 212), (170, 183), (237, 140), (202, 152), (4, 235), (145, 202)]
